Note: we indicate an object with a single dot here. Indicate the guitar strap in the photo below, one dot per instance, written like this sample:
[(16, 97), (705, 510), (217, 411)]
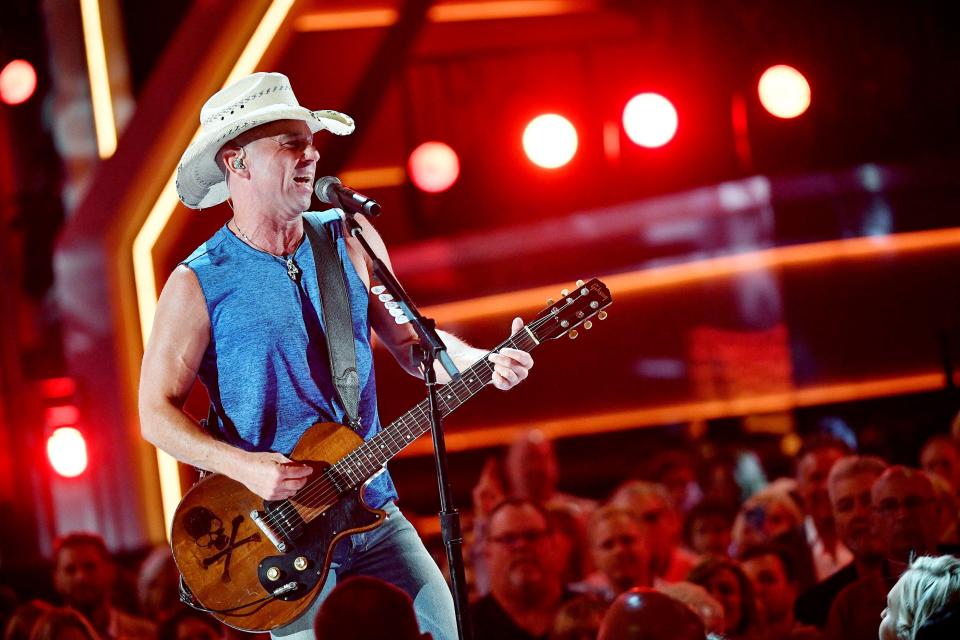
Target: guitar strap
[(337, 320)]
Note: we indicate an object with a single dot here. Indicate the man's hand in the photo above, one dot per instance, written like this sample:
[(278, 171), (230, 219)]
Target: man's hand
[(272, 476), (510, 366)]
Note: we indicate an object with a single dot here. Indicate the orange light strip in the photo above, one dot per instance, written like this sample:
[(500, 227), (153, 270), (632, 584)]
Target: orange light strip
[(624, 420), (374, 177), (445, 12), (690, 272)]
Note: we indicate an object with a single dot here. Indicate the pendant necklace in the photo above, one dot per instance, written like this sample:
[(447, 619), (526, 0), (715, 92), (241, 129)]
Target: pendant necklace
[(293, 271)]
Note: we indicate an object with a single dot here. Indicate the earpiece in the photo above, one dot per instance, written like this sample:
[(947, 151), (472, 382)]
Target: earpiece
[(238, 164)]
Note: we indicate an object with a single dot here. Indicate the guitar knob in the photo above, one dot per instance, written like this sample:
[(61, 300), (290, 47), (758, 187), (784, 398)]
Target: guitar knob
[(550, 301), (579, 283), (588, 325), (573, 334), (564, 292), (300, 563), (602, 315), (273, 574)]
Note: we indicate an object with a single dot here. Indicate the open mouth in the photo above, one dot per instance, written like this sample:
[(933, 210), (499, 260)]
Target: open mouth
[(302, 180)]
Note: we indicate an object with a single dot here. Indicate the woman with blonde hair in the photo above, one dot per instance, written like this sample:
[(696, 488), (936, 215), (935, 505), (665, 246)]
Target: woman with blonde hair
[(766, 515), (929, 587)]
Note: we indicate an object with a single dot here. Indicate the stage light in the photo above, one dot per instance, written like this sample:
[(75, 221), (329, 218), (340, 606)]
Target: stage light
[(67, 452), (18, 81), (550, 141), (650, 120), (784, 92), (433, 167)]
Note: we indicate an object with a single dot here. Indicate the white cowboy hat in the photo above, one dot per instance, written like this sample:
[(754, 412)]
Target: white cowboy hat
[(247, 103)]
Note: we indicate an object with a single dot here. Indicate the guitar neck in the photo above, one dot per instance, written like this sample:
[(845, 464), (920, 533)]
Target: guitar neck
[(370, 457)]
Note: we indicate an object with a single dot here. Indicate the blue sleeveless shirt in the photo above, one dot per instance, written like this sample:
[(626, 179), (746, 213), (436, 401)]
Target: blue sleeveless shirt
[(266, 368)]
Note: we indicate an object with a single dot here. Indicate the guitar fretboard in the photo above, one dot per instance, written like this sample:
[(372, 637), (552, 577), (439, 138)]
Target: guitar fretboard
[(372, 455)]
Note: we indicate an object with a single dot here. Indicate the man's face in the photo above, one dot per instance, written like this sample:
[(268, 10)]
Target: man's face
[(658, 526), (942, 459), (907, 519), (520, 552), (82, 577), (724, 586), (282, 165), (774, 590), (710, 534), (616, 543), (853, 513), (812, 471)]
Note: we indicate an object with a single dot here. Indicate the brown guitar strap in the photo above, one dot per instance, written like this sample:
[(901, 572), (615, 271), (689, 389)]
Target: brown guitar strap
[(337, 319)]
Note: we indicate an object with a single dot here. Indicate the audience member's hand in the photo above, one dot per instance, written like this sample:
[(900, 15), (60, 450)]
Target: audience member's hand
[(489, 489)]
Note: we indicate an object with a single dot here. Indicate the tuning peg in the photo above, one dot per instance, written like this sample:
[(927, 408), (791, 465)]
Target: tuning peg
[(588, 325), (602, 315), (564, 292), (579, 283), (550, 301), (573, 334)]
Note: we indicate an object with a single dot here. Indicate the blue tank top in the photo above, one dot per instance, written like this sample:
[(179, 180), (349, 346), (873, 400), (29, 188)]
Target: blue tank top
[(266, 368)]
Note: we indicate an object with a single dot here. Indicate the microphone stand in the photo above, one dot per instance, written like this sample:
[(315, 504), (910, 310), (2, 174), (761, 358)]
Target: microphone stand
[(430, 349)]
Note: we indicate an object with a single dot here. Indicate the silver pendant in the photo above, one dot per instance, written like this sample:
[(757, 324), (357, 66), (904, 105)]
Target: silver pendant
[(292, 269)]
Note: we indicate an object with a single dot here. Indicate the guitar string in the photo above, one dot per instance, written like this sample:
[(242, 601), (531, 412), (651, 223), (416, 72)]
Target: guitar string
[(328, 485), (325, 487)]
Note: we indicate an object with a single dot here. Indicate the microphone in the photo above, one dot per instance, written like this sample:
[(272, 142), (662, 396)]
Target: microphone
[(331, 191)]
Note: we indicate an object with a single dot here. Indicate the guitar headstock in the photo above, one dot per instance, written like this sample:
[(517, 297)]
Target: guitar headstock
[(572, 309)]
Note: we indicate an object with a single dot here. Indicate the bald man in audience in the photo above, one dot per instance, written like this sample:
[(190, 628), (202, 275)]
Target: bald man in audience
[(618, 551), (644, 614), (848, 485)]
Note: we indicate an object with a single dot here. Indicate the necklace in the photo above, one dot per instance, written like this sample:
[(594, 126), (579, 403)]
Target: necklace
[(293, 271)]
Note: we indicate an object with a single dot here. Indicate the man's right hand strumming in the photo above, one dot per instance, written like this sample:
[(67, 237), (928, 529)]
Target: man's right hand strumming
[(272, 476)]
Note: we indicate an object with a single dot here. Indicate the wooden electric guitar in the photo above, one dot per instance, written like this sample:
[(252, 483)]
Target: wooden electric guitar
[(257, 565)]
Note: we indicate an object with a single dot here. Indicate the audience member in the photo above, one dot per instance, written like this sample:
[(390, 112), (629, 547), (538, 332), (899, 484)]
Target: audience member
[(940, 454), (771, 573), (948, 506), (23, 619), (525, 578), (570, 539), (930, 586), (158, 584), (660, 528), (675, 470), (82, 576), (579, 618), (618, 551), (766, 515), (848, 486), (365, 608), (184, 623), (725, 580), (814, 462), (707, 529), (707, 608), (532, 472), (64, 624), (644, 614)]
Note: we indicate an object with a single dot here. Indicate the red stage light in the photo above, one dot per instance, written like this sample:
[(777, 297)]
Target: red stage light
[(18, 81), (784, 92), (550, 141), (433, 167), (67, 452), (650, 120)]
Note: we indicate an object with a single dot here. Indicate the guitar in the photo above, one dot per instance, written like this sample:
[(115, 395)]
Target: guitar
[(256, 565)]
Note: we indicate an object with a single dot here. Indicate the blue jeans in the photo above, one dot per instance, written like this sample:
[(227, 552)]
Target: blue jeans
[(392, 552)]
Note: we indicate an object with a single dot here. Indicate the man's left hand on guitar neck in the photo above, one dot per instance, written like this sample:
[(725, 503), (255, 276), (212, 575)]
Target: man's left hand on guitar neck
[(510, 366)]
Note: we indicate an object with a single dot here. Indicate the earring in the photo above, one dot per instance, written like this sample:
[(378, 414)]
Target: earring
[(238, 164)]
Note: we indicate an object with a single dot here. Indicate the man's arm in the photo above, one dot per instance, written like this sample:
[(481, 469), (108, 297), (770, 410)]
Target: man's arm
[(180, 335), (511, 366)]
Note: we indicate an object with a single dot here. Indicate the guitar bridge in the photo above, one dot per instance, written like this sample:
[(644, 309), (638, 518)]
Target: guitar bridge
[(268, 531)]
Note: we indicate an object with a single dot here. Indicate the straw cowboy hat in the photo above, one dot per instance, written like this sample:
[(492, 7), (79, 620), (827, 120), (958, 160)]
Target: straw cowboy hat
[(247, 103)]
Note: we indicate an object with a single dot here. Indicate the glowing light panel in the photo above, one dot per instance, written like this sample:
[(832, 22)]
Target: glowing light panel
[(434, 167), (18, 81), (67, 452), (650, 120), (550, 141), (784, 92)]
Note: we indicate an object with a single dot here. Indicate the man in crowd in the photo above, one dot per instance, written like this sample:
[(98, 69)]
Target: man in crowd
[(941, 455), (618, 551), (83, 574), (906, 524), (526, 588), (848, 486), (774, 583)]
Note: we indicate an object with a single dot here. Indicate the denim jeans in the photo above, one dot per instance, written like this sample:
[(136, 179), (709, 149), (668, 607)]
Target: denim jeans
[(392, 552)]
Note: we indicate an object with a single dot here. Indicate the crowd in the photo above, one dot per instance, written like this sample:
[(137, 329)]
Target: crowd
[(848, 547)]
